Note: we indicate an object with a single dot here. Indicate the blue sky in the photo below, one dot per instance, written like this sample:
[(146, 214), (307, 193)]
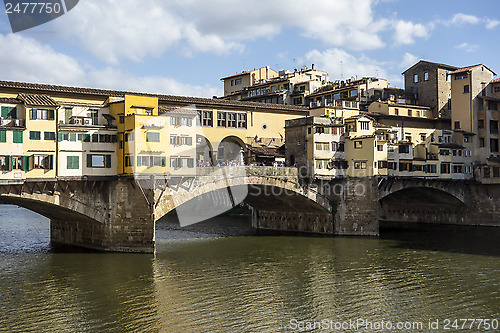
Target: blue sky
[(184, 47)]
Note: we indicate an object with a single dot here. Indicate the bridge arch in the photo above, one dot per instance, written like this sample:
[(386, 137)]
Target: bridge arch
[(204, 150), (423, 202), (229, 187), (231, 148)]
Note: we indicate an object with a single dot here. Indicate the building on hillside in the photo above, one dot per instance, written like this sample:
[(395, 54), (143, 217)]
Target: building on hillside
[(363, 91), (316, 146), (428, 84), (475, 105), (288, 88), (375, 149), (237, 82), (396, 109), (337, 109)]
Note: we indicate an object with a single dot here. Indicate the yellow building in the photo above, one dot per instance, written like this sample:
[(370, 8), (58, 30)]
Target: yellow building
[(403, 110), (236, 82)]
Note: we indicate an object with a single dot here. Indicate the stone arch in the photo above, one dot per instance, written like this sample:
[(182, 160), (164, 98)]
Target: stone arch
[(284, 193), (231, 148), (51, 209), (204, 150)]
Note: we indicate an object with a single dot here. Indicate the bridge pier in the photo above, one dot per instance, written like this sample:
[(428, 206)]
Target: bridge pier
[(128, 225), (357, 210), (289, 221)]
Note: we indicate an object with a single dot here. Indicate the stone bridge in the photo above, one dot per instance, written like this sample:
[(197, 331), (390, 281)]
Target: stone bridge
[(119, 214)]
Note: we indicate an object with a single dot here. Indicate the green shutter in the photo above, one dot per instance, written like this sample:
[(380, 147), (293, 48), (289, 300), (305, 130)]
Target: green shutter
[(26, 163), (5, 112), (59, 136), (18, 136), (89, 161), (51, 162), (8, 163), (68, 115), (108, 161), (86, 138), (13, 112), (51, 114), (72, 136), (3, 136), (33, 113)]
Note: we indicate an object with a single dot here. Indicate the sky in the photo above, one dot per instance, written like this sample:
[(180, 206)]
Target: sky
[(184, 47)]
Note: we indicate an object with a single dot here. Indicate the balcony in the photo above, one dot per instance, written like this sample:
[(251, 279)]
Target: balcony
[(81, 121), (19, 123)]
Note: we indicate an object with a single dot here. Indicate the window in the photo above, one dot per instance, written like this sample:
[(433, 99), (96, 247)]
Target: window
[(404, 149), (206, 118), (358, 144), (129, 161), (242, 120), (152, 136), (415, 78), (231, 119), (3, 136), (494, 126), (445, 167), (95, 137), (221, 119), (72, 137), (396, 111), (237, 82), (35, 135), (496, 172), (322, 146), (353, 93), (426, 76), (321, 130), (52, 136), (122, 119), (17, 136), (486, 171), (86, 137), (337, 146), (460, 76), (95, 116), (457, 125), (178, 162), (458, 169), (494, 145), (185, 121), (359, 165), (44, 114), (9, 112), (42, 161), (380, 147), (321, 164), (336, 96), (382, 164), (364, 125), (466, 89), (480, 123), (410, 114), (492, 105), (98, 161), (481, 142), (73, 162), (129, 136)]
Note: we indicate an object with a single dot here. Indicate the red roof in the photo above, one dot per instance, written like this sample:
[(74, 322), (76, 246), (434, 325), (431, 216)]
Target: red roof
[(466, 69), (496, 80)]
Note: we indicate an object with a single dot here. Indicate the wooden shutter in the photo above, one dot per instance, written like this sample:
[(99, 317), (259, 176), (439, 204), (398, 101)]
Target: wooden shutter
[(33, 113), (51, 114), (26, 163)]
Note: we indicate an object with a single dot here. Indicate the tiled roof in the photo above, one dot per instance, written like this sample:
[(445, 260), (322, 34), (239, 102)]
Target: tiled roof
[(37, 100), (465, 69), (9, 100), (48, 88), (496, 80), (265, 151), (449, 67)]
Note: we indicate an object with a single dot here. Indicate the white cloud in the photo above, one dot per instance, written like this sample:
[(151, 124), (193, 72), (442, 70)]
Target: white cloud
[(408, 60), (406, 32), (461, 18), (467, 47), (491, 24), (340, 64), (127, 29), (38, 63)]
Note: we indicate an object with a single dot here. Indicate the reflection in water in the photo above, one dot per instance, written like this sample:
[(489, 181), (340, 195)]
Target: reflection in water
[(241, 284)]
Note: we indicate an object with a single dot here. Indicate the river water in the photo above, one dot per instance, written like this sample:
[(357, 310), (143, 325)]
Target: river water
[(197, 282)]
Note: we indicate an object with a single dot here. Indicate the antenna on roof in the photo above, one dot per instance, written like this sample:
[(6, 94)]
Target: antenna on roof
[(341, 71)]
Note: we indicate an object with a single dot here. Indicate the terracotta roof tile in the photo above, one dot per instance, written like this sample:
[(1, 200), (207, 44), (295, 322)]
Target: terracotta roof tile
[(7, 100), (48, 88), (37, 100), (466, 69)]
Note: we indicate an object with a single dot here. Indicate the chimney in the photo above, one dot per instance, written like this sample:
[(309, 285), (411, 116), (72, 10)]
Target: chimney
[(313, 67)]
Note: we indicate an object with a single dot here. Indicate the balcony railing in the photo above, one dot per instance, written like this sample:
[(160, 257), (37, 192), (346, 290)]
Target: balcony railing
[(335, 103), (12, 122)]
